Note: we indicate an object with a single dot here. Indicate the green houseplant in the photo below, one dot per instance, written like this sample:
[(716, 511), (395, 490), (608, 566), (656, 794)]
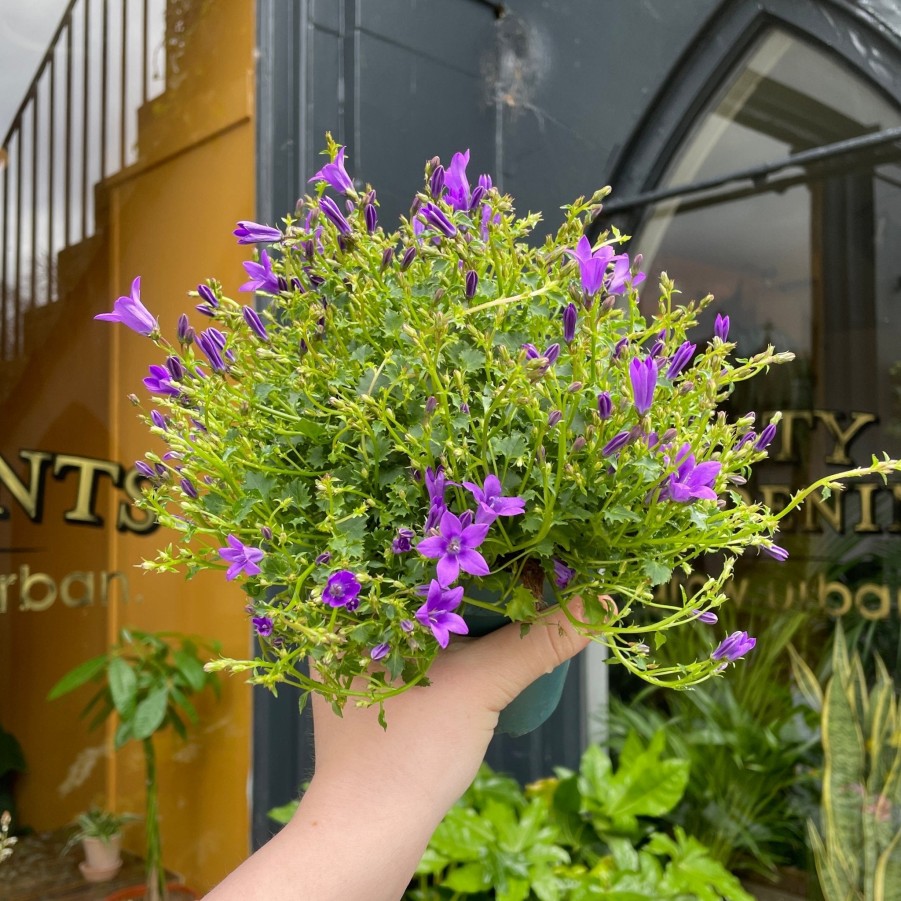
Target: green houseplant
[(100, 834), (422, 414), (751, 750), (146, 681), (577, 836), (857, 845)]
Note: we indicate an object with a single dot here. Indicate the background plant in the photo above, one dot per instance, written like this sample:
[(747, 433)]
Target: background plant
[(857, 845), (578, 836), (146, 681), (748, 741), (420, 410)]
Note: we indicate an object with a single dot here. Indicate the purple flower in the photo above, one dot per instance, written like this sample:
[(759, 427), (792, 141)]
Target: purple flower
[(335, 174), (563, 574), (380, 651), (208, 344), (622, 275), (252, 318), (158, 419), (708, 617), (765, 437), (435, 483), (144, 469), (456, 183), (691, 481), (492, 502), (184, 332), (266, 532), (619, 347), (455, 548), (431, 404), (159, 382), (436, 181), (736, 645), (402, 543), (437, 612), (330, 208), (407, 258), (254, 233), (433, 216), (188, 487), (242, 558), (371, 217), (643, 375), (570, 316), (605, 405), (592, 264), (323, 558), (341, 590), (616, 443), (721, 327), (680, 358), (262, 278), (487, 219), (262, 625), (745, 439), (553, 418), (176, 367), (131, 312), (472, 283), (776, 552), (206, 292)]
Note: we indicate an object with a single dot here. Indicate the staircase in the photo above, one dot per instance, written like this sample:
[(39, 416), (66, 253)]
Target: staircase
[(75, 128)]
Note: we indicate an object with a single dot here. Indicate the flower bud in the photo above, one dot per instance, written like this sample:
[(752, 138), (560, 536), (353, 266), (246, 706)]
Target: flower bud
[(407, 258), (266, 532), (472, 283), (371, 216), (570, 317), (573, 387), (553, 418), (578, 444), (605, 405), (387, 258), (436, 181)]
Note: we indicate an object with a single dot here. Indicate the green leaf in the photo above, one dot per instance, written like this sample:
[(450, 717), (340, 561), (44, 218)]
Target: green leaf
[(657, 572), (77, 677), (191, 668), (150, 713), (469, 878), (259, 482), (123, 685)]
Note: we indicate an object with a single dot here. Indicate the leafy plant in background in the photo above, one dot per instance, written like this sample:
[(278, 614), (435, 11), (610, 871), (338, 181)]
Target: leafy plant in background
[(146, 681), (7, 841), (422, 413), (578, 836), (857, 845), (12, 765), (750, 748)]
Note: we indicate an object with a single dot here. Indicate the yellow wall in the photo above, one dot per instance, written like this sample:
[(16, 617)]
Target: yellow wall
[(169, 219)]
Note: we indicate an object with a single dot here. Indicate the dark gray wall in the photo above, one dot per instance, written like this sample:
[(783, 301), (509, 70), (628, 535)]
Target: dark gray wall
[(544, 96)]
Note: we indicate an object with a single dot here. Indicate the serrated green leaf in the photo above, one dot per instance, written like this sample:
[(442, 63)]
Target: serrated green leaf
[(657, 572)]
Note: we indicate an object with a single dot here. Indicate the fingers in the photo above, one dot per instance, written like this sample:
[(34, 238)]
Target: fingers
[(512, 661)]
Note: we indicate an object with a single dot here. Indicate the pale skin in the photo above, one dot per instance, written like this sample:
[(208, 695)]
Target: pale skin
[(378, 794)]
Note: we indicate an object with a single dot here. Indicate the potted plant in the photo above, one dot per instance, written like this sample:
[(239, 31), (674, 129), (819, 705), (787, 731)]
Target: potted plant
[(146, 681), (444, 419), (100, 834)]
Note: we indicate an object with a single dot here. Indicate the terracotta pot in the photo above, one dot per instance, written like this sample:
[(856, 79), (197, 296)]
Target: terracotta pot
[(177, 892), (102, 855)]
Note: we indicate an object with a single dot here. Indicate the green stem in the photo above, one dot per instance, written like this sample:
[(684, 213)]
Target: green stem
[(156, 875)]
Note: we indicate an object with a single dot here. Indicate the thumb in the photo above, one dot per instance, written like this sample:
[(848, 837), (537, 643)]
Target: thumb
[(515, 660)]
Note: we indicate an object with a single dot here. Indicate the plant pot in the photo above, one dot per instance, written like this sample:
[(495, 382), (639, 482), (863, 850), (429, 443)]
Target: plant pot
[(176, 891), (99, 874), (528, 710), (100, 855)]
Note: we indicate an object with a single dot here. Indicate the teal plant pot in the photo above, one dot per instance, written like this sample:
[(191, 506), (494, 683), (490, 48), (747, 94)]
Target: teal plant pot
[(538, 701)]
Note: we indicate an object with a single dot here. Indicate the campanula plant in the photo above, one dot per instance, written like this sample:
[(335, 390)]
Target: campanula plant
[(390, 422)]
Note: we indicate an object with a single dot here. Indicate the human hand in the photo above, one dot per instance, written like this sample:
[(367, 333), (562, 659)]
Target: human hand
[(378, 794)]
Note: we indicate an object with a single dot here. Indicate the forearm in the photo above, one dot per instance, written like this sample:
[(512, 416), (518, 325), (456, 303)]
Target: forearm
[(353, 839)]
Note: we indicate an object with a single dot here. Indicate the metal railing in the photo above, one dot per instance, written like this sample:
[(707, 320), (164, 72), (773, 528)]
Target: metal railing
[(76, 125)]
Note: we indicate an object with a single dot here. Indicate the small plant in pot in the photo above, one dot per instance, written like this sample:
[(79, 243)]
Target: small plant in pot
[(100, 834), (449, 417), (146, 681)]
